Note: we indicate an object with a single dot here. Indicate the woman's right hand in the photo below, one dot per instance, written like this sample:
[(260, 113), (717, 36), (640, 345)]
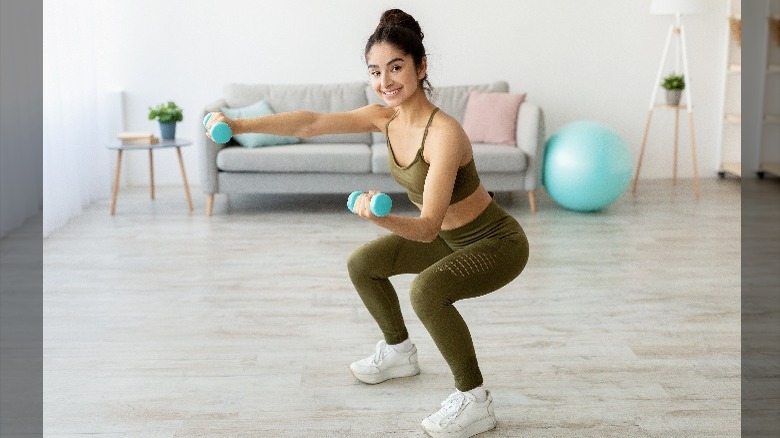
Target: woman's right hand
[(217, 117), (363, 205)]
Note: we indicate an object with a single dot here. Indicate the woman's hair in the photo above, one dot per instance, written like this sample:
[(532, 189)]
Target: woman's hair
[(400, 29)]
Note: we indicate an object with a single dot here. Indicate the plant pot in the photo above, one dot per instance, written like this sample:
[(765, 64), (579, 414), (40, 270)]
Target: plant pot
[(168, 130), (673, 97)]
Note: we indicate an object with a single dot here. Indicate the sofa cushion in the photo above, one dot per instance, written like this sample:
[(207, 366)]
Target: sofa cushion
[(489, 158), (324, 98), (319, 158), (253, 140), (451, 99), (492, 117)]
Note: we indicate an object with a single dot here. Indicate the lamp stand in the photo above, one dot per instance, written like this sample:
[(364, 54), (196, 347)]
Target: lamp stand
[(680, 30)]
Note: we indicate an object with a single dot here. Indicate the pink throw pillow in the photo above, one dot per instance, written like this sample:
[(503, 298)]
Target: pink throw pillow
[(492, 117)]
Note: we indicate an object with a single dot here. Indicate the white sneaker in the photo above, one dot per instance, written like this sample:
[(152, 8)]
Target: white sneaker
[(461, 416), (386, 363)]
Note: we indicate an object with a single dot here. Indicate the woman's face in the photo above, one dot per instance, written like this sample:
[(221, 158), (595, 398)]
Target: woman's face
[(394, 77)]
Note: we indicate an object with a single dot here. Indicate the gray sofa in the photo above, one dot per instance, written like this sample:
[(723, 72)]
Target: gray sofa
[(347, 162)]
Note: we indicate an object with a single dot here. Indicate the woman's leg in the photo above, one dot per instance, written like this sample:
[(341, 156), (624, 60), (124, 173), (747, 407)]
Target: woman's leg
[(470, 272), (371, 266)]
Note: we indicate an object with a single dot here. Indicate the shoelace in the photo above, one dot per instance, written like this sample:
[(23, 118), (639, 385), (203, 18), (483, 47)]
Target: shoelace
[(450, 408), (381, 351)]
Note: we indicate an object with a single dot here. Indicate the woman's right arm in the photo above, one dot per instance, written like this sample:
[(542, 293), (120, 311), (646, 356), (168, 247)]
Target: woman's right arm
[(370, 118)]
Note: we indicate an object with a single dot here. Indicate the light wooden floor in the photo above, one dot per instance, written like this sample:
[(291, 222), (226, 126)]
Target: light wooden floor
[(162, 323)]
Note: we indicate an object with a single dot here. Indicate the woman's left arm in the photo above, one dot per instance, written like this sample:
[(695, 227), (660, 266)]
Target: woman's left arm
[(445, 152)]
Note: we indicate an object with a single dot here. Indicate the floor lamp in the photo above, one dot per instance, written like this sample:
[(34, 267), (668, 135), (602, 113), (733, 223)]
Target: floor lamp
[(678, 8)]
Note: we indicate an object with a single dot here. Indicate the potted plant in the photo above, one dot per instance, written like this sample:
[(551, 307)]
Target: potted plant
[(674, 85), (167, 114)]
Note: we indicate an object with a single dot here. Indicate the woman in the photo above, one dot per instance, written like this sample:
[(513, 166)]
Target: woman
[(462, 245)]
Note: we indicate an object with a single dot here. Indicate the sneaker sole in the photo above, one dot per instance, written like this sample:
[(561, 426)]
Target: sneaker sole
[(475, 428), (392, 373)]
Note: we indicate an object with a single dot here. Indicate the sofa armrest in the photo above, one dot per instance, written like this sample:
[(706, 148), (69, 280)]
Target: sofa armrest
[(209, 149), (530, 137)]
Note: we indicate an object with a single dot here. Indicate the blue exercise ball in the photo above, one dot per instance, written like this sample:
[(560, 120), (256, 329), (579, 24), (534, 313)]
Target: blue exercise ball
[(587, 166)]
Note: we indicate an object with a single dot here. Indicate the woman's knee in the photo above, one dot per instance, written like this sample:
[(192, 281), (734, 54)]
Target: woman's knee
[(428, 297), (357, 263), (368, 261)]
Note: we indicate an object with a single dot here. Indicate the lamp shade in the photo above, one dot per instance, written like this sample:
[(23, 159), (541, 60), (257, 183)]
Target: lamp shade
[(672, 7)]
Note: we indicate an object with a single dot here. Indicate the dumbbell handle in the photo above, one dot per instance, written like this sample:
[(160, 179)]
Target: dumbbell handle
[(220, 131), (380, 205)]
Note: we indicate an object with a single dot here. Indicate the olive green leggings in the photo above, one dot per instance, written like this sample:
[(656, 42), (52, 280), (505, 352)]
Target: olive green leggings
[(467, 262)]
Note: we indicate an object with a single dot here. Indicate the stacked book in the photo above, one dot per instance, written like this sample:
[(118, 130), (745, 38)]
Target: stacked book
[(137, 138)]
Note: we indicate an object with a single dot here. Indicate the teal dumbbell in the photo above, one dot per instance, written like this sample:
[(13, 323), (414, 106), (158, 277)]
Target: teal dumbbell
[(380, 205), (220, 132)]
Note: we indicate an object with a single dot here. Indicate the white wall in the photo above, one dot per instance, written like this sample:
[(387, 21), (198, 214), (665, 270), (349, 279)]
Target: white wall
[(577, 59), (79, 116)]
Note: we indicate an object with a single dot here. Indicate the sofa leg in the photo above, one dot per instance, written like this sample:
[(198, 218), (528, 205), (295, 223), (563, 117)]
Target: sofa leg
[(532, 201), (209, 204)]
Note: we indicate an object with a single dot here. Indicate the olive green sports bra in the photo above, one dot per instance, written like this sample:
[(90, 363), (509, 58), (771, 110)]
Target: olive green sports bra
[(412, 177)]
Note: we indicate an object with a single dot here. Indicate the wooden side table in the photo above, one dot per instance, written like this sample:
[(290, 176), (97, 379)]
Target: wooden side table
[(682, 55), (676, 109), (177, 143)]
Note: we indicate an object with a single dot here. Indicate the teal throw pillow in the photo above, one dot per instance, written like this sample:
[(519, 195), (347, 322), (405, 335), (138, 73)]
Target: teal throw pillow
[(253, 140)]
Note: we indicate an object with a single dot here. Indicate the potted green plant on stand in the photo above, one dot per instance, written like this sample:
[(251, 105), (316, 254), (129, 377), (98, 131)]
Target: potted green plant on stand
[(167, 114), (674, 85)]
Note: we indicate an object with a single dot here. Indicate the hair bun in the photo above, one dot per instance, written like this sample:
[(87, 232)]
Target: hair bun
[(397, 17)]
